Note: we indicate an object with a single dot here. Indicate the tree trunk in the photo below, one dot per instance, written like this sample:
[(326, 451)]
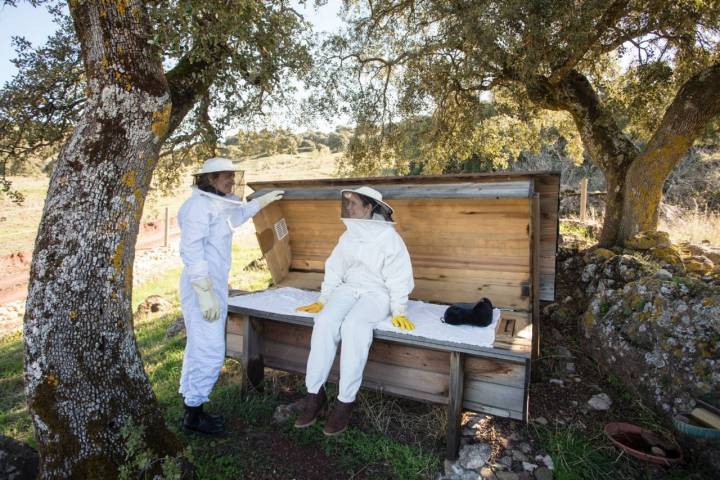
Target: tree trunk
[(84, 376), (602, 138), (696, 104)]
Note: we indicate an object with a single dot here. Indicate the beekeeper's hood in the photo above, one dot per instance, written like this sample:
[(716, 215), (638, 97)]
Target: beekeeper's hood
[(364, 203)]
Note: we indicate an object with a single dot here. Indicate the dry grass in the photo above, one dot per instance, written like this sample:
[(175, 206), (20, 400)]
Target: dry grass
[(692, 226)]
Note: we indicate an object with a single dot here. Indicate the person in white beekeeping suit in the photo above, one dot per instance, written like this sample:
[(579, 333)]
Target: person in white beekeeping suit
[(207, 220), (368, 277)]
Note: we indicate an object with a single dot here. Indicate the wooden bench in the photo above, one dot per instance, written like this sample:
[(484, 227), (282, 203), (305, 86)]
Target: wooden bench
[(469, 236)]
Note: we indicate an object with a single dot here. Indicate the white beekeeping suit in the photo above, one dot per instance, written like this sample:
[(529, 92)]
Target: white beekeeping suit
[(207, 220), (368, 277)]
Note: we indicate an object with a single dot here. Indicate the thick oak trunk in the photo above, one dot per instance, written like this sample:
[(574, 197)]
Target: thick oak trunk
[(634, 179), (602, 138), (84, 376), (696, 104)]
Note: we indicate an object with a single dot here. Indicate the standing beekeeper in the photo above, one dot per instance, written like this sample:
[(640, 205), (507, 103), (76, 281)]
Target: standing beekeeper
[(207, 220), (368, 277)]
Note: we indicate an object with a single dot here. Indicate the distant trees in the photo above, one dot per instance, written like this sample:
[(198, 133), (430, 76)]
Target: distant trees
[(267, 142)]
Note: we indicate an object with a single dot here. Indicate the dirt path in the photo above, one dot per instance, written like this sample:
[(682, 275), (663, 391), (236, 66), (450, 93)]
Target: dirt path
[(16, 266)]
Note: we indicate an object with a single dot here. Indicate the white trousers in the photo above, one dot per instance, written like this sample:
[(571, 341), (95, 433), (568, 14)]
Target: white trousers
[(204, 353), (349, 316)]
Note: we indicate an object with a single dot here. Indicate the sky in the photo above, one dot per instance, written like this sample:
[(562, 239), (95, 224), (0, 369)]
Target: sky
[(36, 25)]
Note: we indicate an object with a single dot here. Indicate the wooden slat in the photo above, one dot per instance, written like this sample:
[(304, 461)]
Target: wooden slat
[(535, 280), (277, 252), (495, 399), (408, 179), (503, 295), (235, 323), (455, 402), (234, 345), (495, 371), (549, 188), (515, 188), (406, 376)]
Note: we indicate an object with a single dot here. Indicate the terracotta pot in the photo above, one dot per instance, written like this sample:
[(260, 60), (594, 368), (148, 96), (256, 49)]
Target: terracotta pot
[(638, 442)]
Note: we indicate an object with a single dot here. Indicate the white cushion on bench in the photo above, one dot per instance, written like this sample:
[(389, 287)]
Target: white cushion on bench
[(427, 317)]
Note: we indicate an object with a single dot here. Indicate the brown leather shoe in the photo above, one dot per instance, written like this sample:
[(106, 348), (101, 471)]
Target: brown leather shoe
[(339, 418), (313, 404)]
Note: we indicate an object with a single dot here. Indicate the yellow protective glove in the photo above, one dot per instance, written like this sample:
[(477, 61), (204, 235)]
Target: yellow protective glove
[(401, 321), (312, 308)]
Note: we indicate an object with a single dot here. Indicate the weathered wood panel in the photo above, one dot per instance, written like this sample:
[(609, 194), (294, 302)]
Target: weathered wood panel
[(548, 186), (277, 251), (234, 345), (509, 189)]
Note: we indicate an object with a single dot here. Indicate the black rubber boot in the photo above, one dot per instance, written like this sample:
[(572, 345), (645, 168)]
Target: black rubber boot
[(197, 421)]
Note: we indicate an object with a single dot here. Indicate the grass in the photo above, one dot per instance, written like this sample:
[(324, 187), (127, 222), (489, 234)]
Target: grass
[(577, 455), (247, 450), (692, 226)]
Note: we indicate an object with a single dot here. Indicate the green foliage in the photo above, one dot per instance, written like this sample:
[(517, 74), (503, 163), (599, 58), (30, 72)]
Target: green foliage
[(463, 83), (250, 50)]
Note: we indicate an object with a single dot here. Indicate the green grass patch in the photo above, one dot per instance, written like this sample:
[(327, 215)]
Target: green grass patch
[(577, 230), (578, 456), (14, 417), (355, 449)]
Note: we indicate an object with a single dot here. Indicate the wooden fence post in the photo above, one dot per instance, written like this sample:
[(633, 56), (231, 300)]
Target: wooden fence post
[(167, 226), (583, 199)]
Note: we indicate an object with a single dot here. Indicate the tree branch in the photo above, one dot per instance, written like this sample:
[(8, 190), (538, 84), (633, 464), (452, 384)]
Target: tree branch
[(696, 104), (603, 139), (611, 16)]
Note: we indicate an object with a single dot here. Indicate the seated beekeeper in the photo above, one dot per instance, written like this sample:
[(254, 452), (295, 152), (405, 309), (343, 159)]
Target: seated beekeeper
[(207, 220), (368, 277)]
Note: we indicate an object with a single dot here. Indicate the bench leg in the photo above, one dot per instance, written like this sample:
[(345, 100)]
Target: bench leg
[(252, 357), (454, 405)]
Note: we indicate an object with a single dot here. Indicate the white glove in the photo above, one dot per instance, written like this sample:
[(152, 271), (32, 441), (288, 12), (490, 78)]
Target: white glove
[(208, 300), (265, 200)]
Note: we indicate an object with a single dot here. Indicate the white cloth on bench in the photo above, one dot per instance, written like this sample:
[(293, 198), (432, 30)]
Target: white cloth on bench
[(427, 317)]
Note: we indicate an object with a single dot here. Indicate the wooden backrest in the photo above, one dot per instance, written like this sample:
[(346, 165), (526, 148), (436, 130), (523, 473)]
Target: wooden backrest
[(469, 236)]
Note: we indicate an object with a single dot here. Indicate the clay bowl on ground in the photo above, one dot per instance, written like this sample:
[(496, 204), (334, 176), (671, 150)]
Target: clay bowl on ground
[(643, 444)]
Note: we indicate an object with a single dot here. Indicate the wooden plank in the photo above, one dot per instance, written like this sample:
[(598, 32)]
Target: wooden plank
[(234, 345), (501, 295), (252, 356), (395, 337), (277, 251), (514, 188), (478, 394), (455, 402), (406, 377), (549, 188), (495, 371), (431, 291), (381, 351), (407, 179), (235, 323), (535, 282), (491, 266)]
